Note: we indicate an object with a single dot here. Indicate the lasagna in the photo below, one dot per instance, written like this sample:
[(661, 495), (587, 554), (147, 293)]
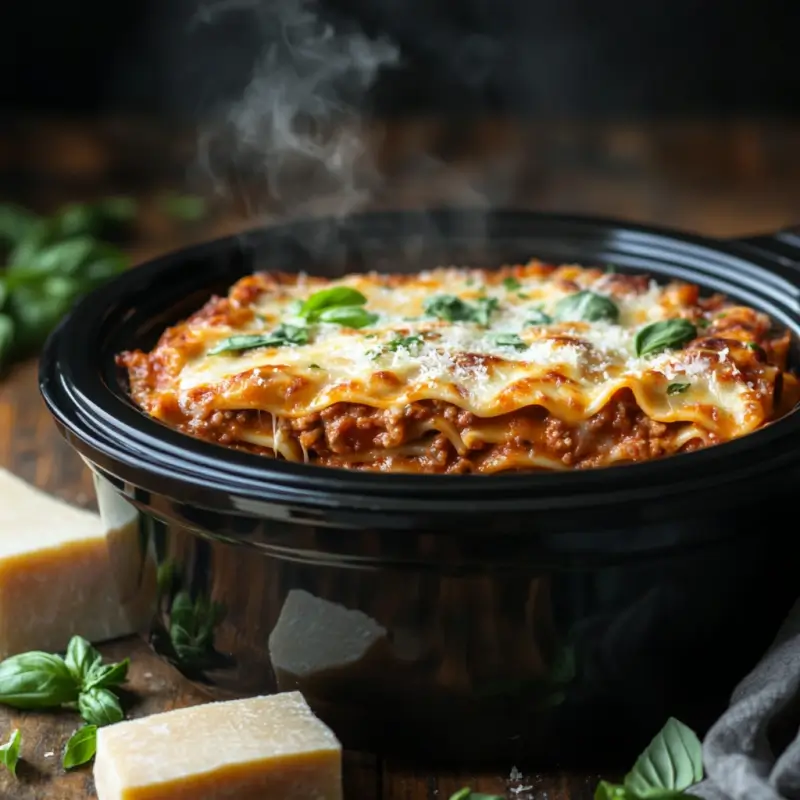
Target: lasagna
[(528, 367)]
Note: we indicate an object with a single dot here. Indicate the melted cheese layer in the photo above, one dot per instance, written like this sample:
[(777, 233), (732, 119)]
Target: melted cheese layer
[(723, 383)]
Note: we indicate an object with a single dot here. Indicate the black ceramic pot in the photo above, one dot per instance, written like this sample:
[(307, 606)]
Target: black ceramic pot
[(539, 619)]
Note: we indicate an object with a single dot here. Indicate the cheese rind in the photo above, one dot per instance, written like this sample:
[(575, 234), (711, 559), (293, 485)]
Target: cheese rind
[(56, 577), (260, 747)]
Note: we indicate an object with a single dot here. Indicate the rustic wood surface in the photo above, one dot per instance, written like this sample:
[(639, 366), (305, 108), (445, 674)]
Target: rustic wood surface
[(721, 179)]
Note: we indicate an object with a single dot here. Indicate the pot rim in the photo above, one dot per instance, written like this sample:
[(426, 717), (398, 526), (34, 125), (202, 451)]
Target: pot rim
[(89, 404)]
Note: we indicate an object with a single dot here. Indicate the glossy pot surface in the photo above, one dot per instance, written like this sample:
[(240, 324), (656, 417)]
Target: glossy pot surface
[(548, 618)]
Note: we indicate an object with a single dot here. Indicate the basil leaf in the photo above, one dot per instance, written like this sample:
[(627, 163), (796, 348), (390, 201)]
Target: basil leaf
[(449, 308), (668, 333), (509, 340), (6, 338), (281, 336), (105, 675), (330, 298), (511, 284), (81, 658), (9, 752), (610, 791), (36, 680), (348, 316), (185, 207), (677, 388), (100, 707), (81, 747), (411, 343), (15, 223), (586, 306), (65, 257), (538, 317), (672, 761), (484, 308)]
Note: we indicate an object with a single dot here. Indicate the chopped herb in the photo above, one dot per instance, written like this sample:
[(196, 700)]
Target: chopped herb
[(703, 323), (586, 306), (756, 348), (667, 334), (538, 317), (677, 388), (523, 296), (412, 342), (281, 336), (9, 752), (81, 747), (511, 284), (509, 340), (314, 366)]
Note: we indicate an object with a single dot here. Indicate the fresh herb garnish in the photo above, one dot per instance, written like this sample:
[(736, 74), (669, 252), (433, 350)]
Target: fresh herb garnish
[(511, 284), (348, 316), (37, 680), (666, 334), (586, 306), (411, 343), (467, 794), (509, 340), (9, 752), (81, 747), (703, 323), (282, 335), (677, 388), (99, 707), (756, 348), (669, 765), (537, 317), (314, 366), (450, 308)]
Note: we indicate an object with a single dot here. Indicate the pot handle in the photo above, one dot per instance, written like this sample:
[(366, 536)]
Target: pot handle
[(783, 244)]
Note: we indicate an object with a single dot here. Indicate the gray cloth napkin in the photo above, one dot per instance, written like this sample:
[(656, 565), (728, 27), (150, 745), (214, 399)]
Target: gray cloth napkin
[(753, 750)]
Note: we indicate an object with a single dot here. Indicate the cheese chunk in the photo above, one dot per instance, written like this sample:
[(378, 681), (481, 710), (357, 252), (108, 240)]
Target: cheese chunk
[(55, 572), (261, 748)]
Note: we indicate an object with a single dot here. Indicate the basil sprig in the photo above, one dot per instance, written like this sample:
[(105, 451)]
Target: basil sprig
[(81, 747), (38, 680), (663, 335), (281, 336), (537, 317), (586, 306), (450, 308), (339, 305), (669, 765), (9, 752)]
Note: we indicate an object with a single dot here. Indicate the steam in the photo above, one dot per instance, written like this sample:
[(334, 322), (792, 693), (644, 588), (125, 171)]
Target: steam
[(296, 138)]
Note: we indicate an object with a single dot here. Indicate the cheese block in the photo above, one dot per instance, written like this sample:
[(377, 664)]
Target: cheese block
[(55, 572), (255, 749)]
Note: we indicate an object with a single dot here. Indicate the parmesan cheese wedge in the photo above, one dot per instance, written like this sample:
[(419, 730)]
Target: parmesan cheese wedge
[(261, 748), (56, 578)]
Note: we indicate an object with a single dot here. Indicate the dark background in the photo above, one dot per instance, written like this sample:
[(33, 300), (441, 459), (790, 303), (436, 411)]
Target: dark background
[(537, 57)]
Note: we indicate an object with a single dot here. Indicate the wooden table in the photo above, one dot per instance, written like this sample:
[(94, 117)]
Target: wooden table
[(724, 179)]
